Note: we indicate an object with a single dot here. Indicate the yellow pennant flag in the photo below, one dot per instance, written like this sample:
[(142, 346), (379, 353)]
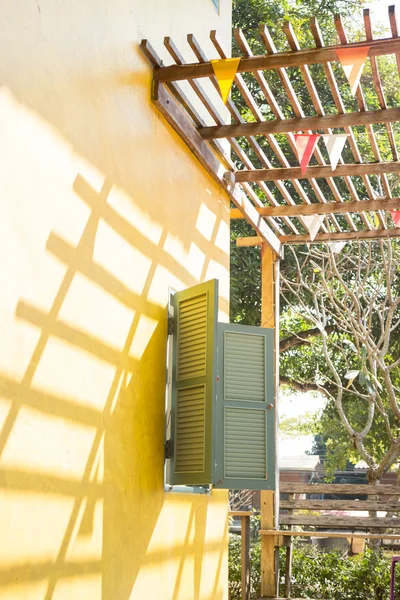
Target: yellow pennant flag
[(225, 71), (352, 61)]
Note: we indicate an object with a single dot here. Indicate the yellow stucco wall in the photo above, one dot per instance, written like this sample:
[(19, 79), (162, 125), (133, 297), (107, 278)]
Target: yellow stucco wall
[(101, 209)]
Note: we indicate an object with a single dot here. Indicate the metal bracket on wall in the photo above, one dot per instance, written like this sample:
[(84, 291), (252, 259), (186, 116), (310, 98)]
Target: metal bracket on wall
[(168, 449), (170, 325)]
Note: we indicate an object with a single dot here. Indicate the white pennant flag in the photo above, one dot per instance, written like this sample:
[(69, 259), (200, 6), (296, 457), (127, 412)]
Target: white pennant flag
[(334, 144), (337, 247), (313, 224)]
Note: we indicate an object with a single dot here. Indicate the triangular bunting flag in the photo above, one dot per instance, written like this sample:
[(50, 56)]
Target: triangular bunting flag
[(313, 224), (396, 217), (334, 144), (352, 61), (225, 71), (305, 145), (337, 247)]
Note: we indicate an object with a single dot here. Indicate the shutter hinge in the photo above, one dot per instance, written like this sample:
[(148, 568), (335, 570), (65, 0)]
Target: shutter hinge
[(168, 446), (170, 325)]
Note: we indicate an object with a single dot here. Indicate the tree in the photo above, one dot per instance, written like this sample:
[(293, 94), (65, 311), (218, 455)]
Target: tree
[(352, 300)]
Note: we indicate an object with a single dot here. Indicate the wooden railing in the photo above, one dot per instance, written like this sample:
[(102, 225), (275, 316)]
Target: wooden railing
[(380, 498), (245, 550)]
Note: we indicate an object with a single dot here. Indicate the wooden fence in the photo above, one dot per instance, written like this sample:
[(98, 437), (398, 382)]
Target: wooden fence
[(327, 523)]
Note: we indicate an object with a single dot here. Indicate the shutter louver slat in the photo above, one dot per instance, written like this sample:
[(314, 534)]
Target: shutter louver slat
[(243, 453), (190, 446), (242, 351), (192, 337)]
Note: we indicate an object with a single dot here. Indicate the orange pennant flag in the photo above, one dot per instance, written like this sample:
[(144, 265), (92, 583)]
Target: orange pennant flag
[(225, 71), (352, 61), (305, 146)]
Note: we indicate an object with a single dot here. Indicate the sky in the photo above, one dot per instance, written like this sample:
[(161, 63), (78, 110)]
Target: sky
[(379, 9), (295, 405)]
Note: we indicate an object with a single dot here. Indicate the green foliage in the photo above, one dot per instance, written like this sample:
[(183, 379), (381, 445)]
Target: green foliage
[(245, 305), (319, 575)]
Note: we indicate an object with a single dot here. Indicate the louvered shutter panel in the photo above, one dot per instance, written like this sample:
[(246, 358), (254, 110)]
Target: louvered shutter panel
[(193, 384), (245, 429)]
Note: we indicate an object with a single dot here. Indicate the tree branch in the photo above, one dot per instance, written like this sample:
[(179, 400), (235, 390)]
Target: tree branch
[(306, 386), (301, 338)]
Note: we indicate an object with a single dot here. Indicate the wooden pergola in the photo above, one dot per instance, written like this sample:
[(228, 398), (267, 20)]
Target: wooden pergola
[(260, 171), (272, 194)]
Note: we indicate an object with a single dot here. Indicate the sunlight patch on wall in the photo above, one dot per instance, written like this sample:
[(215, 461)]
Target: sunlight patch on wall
[(162, 279), (140, 220), (5, 405), (26, 521), (206, 221), (34, 590), (166, 533), (143, 333), (222, 240), (192, 260), (32, 151), (164, 577), (71, 373), (71, 587), (87, 540), (48, 445), (215, 269), (96, 312), (122, 259), (195, 261)]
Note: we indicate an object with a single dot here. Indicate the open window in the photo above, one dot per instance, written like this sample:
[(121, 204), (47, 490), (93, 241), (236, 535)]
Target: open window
[(222, 397)]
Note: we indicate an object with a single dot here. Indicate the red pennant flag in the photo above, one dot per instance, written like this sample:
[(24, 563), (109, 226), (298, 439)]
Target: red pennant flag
[(396, 217), (305, 146)]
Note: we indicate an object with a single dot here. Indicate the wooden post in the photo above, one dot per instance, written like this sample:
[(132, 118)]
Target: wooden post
[(245, 547), (289, 555), (270, 500)]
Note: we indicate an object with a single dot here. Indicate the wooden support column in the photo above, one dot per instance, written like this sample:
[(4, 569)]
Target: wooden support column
[(270, 499), (245, 543)]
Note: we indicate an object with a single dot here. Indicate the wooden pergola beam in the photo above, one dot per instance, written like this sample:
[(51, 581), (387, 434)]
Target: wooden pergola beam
[(178, 119), (299, 210), (275, 126), (342, 236), (317, 172), (276, 61)]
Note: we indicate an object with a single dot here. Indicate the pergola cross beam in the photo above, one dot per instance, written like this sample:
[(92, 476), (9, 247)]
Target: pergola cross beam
[(276, 61), (321, 238), (317, 172), (278, 126), (300, 210)]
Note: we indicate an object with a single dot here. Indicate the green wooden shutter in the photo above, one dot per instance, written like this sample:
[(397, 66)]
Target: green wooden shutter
[(193, 384), (245, 429)]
